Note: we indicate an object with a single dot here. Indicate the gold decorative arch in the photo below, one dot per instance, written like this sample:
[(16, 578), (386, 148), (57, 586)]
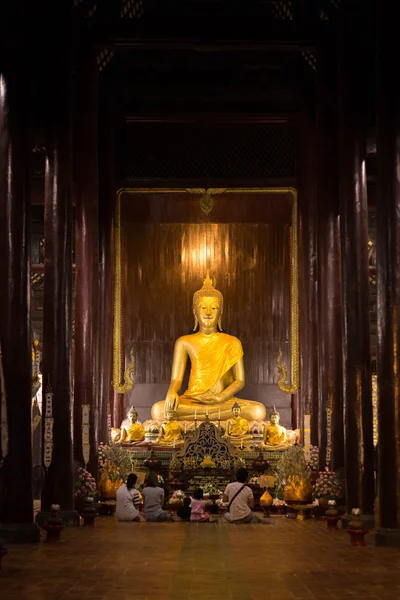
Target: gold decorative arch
[(123, 376)]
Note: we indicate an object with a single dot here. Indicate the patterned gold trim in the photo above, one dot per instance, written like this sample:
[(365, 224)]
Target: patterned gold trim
[(289, 387)]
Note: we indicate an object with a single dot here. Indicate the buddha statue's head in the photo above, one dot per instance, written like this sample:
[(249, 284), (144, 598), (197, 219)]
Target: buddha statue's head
[(236, 410), (132, 415), (274, 417), (208, 304)]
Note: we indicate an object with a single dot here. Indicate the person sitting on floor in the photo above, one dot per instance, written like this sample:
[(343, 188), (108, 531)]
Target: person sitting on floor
[(153, 500), (198, 506), (241, 501), (128, 501), (184, 511)]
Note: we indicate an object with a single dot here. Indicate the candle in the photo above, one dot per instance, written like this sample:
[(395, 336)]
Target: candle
[(174, 443), (195, 415), (206, 412), (219, 414), (185, 428), (241, 444)]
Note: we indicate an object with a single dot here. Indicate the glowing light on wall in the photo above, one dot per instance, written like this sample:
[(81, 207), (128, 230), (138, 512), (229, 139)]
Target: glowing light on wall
[(202, 248)]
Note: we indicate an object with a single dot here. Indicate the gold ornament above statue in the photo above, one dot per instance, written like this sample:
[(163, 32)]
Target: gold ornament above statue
[(217, 370), (274, 435)]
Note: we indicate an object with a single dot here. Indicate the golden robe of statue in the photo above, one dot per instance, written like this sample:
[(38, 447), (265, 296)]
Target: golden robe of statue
[(274, 434), (217, 370), (239, 427), (134, 433), (130, 431), (171, 433)]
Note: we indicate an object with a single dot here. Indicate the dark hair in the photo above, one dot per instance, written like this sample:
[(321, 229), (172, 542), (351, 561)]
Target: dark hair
[(198, 494), (130, 482), (186, 501), (242, 475), (152, 480)]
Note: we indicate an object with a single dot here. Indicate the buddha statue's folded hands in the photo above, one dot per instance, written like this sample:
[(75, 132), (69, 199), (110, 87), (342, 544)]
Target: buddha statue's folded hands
[(210, 399)]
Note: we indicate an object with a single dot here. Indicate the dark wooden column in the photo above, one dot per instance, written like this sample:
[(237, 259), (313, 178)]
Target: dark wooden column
[(329, 263), (306, 163), (388, 280), (87, 252), (106, 229), (16, 505), (354, 244), (57, 301)]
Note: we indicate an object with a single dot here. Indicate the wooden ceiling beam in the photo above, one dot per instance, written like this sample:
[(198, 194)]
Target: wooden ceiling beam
[(212, 36)]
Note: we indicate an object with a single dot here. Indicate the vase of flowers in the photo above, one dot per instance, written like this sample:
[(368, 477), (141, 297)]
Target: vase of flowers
[(225, 464), (238, 462), (293, 476), (84, 487), (189, 463), (175, 467), (278, 506), (115, 464), (327, 487), (313, 463)]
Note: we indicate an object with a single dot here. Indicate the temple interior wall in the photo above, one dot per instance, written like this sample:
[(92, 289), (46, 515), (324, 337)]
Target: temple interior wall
[(168, 244)]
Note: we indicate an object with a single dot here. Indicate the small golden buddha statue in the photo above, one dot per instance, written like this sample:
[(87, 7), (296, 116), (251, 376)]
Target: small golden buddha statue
[(238, 428), (171, 433), (131, 431), (217, 370), (274, 435)]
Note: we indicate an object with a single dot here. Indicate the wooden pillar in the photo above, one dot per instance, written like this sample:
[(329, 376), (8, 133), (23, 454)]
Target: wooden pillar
[(306, 153), (329, 265), (57, 301), (16, 505), (354, 243), (106, 230), (87, 254), (388, 280)]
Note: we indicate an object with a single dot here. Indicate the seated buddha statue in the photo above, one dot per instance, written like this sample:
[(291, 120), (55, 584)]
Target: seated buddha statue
[(217, 371), (131, 431), (237, 428), (274, 435), (170, 432)]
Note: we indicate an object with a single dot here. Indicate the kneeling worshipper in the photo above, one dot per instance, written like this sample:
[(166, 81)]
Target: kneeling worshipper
[(128, 501), (153, 501), (185, 511), (241, 501), (198, 506)]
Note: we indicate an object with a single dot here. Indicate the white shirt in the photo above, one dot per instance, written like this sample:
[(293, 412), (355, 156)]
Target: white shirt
[(239, 507), (126, 510)]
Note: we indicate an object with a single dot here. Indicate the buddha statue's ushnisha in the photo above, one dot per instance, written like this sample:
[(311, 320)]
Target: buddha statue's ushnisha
[(131, 431), (238, 427), (274, 434), (217, 371), (170, 433)]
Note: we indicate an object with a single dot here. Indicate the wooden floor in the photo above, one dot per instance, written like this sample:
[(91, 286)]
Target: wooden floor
[(292, 560)]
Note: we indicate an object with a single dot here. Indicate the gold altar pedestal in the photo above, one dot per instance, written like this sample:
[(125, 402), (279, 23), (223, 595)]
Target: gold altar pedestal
[(303, 511)]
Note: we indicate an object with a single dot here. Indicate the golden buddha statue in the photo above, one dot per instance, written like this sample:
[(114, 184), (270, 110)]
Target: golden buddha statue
[(238, 428), (274, 435), (171, 433), (131, 431), (217, 370)]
